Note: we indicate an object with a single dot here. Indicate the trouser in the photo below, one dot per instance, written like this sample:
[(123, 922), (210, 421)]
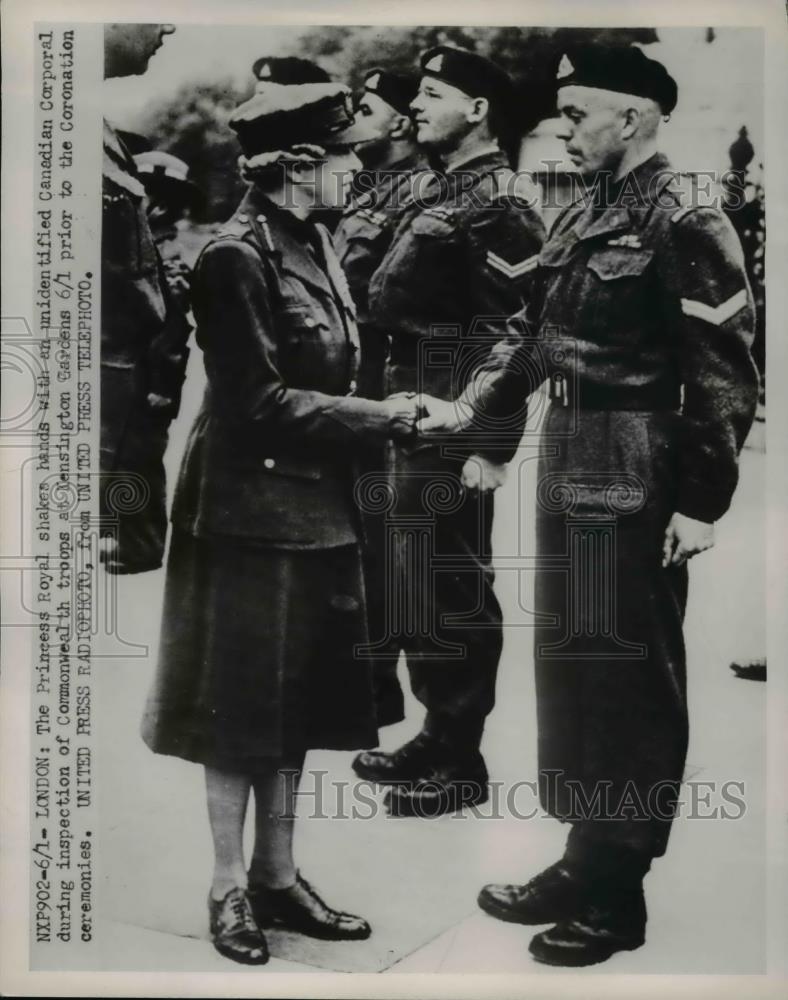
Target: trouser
[(440, 606), (609, 649)]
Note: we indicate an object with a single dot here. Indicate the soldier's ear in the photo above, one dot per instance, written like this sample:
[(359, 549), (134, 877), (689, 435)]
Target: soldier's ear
[(401, 127), (479, 110), (630, 123)]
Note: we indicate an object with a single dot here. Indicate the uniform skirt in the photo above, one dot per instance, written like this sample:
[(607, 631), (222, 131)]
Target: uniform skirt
[(259, 654)]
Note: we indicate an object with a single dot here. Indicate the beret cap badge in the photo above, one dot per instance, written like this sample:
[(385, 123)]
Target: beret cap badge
[(565, 67)]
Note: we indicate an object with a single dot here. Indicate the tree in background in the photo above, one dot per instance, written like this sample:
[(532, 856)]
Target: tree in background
[(192, 124)]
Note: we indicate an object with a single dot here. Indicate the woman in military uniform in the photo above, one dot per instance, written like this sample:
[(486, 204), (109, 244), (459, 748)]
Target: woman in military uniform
[(264, 602)]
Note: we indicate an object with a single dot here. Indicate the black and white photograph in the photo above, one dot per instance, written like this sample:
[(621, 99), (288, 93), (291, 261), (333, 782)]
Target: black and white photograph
[(398, 548)]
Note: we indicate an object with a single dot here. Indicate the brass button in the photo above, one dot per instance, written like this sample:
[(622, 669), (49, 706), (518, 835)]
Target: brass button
[(309, 321), (353, 385), (269, 463), (243, 218)]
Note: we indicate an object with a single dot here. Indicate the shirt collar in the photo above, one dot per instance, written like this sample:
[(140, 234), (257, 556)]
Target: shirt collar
[(488, 151)]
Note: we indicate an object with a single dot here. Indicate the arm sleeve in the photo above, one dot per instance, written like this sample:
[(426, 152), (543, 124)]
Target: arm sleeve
[(505, 241), (716, 322), (236, 332)]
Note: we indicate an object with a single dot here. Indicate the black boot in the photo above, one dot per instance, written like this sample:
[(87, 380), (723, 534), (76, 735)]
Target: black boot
[(409, 763), (612, 920), (460, 780), (557, 893), (299, 908)]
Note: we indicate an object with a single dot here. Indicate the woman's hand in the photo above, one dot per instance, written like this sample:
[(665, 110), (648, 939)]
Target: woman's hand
[(440, 417), (402, 412)]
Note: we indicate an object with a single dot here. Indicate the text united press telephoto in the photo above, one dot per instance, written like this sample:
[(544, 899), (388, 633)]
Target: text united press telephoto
[(411, 617)]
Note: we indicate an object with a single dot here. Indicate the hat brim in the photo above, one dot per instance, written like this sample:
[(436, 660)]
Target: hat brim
[(356, 134)]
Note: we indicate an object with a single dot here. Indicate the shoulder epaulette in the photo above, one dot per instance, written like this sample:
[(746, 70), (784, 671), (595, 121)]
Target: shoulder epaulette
[(438, 212), (378, 218), (686, 190), (234, 228)]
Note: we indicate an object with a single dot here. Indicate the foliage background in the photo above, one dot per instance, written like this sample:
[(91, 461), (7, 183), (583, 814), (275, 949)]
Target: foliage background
[(191, 121)]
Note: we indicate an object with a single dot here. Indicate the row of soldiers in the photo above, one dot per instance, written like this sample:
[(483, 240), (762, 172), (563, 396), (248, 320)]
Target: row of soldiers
[(636, 313)]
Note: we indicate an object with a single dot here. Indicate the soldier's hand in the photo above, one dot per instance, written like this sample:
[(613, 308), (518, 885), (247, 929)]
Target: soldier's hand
[(402, 412), (440, 416), (479, 473), (684, 538)]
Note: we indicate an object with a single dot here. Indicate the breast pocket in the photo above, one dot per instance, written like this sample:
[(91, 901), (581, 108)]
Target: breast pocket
[(313, 347), (618, 284), (433, 265)]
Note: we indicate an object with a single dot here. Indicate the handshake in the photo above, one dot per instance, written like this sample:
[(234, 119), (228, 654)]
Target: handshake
[(421, 416)]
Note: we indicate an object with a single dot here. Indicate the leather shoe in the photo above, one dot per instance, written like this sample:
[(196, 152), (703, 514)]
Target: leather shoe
[(406, 764), (614, 921), (750, 670), (234, 932), (299, 908), (443, 788), (557, 893)]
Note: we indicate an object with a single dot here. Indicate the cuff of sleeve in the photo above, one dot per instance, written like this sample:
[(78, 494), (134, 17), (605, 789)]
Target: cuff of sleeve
[(702, 504), (501, 454)]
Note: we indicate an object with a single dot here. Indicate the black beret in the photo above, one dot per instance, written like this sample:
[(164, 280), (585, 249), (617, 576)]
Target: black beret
[(279, 117), (167, 176), (396, 89), (625, 69), (288, 70), (469, 72)]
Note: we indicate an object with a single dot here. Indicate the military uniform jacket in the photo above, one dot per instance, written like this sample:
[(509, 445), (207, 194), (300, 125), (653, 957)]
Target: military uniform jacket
[(460, 263), (270, 455), (361, 239), (143, 358), (644, 304), (367, 225)]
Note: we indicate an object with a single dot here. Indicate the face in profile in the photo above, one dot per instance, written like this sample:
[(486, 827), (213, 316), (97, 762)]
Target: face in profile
[(379, 117), (128, 47), (591, 126), (441, 114), (333, 176)]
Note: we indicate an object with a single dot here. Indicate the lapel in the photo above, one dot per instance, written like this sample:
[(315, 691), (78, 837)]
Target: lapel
[(336, 275), (118, 166), (277, 231), (339, 286)]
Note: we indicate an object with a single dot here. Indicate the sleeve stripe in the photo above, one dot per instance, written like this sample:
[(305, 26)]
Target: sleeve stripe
[(715, 314), (512, 270)]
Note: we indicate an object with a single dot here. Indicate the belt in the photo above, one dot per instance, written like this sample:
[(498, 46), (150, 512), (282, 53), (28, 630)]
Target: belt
[(584, 394)]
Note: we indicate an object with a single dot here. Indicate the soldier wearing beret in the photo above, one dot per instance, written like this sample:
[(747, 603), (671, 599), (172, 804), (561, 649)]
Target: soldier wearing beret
[(381, 193), (143, 340), (462, 258), (170, 196), (264, 599), (644, 329)]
